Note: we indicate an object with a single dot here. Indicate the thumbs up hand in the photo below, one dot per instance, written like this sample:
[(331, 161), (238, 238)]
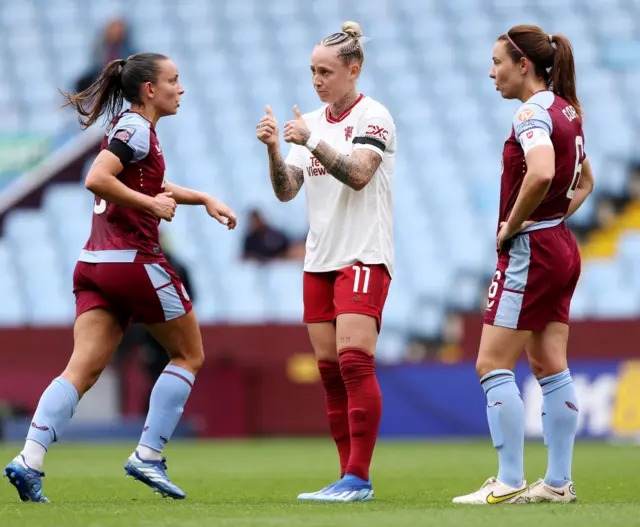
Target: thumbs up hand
[(267, 129), (296, 131)]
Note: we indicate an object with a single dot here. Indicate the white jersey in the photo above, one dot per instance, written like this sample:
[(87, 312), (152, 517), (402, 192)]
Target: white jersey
[(346, 226)]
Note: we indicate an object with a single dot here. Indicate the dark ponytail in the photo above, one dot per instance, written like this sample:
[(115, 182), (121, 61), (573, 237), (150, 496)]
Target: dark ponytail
[(563, 72), (120, 81), (551, 56)]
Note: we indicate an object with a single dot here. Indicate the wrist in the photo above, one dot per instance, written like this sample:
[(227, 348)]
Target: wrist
[(511, 228), (312, 142), (148, 202)]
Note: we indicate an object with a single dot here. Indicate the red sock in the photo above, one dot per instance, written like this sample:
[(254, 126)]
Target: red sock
[(337, 409), (365, 408)]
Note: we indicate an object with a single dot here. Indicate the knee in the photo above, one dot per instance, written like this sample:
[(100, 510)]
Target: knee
[(195, 360), (484, 366), (544, 369)]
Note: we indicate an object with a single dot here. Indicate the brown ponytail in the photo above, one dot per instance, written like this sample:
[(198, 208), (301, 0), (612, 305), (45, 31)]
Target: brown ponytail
[(563, 72), (120, 81), (104, 95), (551, 56)]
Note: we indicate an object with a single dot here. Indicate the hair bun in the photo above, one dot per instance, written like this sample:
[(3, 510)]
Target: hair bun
[(352, 29)]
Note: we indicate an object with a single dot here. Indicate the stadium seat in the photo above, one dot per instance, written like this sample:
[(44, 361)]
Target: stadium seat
[(237, 57)]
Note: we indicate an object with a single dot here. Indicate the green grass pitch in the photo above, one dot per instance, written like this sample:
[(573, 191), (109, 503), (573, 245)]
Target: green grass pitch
[(254, 483)]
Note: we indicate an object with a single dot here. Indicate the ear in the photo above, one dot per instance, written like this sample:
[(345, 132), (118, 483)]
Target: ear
[(150, 89), (525, 65), (355, 70)]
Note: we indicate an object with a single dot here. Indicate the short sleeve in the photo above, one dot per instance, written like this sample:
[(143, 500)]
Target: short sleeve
[(376, 131), (297, 156), (133, 131), (531, 116)]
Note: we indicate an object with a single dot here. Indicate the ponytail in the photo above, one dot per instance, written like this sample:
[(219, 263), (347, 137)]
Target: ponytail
[(104, 95), (551, 56), (121, 80), (563, 72)]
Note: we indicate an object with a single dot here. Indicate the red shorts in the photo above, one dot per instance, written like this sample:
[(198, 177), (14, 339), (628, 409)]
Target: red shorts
[(357, 288), (134, 292), (535, 280)]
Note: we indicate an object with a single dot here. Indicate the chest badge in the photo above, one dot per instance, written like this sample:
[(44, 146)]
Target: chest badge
[(348, 133)]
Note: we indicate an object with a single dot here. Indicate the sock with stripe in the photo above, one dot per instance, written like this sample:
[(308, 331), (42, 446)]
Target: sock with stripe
[(55, 409), (505, 413), (559, 425), (358, 371), (337, 402), (169, 395)]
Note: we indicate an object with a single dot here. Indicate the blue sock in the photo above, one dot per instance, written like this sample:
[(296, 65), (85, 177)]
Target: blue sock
[(559, 425), (505, 412), (168, 398), (55, 409)]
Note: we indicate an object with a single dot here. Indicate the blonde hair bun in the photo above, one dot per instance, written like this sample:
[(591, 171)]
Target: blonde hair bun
[(352, 29)]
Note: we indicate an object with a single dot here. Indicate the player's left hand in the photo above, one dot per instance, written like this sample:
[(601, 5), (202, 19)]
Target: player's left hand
[(506, 232), (221, 213), (296, 131)]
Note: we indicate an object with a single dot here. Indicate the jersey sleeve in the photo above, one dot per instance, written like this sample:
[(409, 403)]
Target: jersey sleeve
[(297, 156), (375, 132), (533, 126), (135, 133)]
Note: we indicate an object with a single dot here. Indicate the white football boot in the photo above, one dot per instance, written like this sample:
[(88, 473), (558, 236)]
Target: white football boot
[(540, 492), (494, 492)]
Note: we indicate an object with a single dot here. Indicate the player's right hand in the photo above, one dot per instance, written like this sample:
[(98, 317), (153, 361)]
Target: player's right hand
[(267, 129), (164, 206)]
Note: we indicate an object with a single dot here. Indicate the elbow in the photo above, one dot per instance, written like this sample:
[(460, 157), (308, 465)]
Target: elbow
[(94, 183), (590, 185), (91, 183), (545, 178), (359, 185), (284, 197)]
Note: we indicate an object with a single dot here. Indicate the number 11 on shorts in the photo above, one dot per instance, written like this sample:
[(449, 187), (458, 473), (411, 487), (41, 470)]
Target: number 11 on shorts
[(356, 279)]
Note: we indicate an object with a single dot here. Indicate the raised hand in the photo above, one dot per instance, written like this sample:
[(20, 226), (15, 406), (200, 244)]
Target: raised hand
[(267, 129), (296, 131)]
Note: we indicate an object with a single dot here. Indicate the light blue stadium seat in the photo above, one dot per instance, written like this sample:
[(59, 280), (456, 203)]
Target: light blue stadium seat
[(26, 228), (391, 346), (428, 62), (427, 319), (244, 293), (284, 287), (600, 276), (582, 303)]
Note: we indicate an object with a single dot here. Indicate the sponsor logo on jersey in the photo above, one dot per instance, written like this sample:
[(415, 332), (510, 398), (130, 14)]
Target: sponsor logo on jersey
[(525, 115), (159, 150), (348, 132), (377, 132), (124, 134), (316, 168)]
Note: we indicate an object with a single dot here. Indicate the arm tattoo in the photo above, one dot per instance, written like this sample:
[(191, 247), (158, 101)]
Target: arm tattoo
[(286, 179), (355, 171)]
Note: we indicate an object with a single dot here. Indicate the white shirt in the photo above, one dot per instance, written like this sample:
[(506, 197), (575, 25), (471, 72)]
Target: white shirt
[(345, 225)]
